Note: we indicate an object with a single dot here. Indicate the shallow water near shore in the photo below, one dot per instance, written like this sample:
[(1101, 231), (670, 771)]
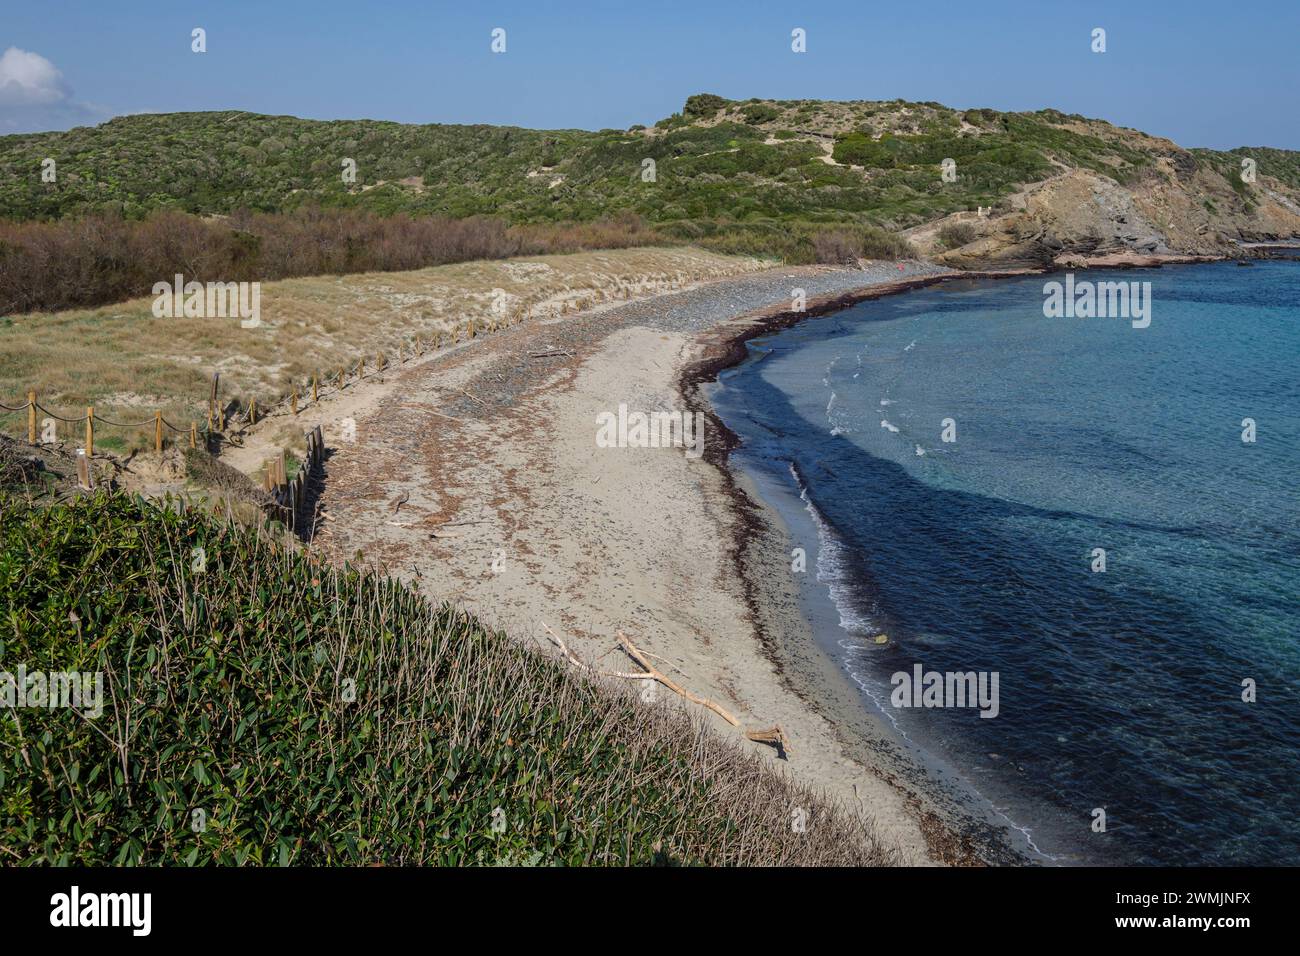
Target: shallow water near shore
[(1119, 690)]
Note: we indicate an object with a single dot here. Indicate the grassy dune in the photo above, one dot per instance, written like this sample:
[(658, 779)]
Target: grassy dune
[(126, 363), (330, 716)]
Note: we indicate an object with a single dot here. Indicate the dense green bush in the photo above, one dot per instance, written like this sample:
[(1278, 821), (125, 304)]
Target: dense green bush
[(758, 113), (704, 104)]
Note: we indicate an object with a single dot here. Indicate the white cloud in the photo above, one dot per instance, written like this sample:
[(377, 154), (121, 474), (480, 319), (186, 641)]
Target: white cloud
[(28, 79), (35, 96)]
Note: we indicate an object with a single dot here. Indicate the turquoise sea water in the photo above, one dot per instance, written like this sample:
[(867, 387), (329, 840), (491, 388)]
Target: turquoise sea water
[(1118, 690)]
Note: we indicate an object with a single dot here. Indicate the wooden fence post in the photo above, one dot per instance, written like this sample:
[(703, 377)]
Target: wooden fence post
[(157, 431), (252, 411), (194, 435), (31, 418), (293, 401), (314, 377), (90, 431)]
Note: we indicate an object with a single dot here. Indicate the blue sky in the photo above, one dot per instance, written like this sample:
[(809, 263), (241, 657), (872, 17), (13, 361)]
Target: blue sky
[(1204, 74)]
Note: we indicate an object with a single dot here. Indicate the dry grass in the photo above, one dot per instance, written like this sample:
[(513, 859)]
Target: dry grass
[(126, 363)]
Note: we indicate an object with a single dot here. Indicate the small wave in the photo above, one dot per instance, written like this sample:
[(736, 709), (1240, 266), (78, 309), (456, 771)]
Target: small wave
[(919, 451), (834, 567), (886, 425)]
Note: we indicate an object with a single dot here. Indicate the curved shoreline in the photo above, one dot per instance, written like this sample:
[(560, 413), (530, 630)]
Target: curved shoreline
[(487, 450), (956, 833)]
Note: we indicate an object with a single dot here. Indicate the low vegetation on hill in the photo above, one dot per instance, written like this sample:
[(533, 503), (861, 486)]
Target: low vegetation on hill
[(770, 177), (261, 709), (718, 160)]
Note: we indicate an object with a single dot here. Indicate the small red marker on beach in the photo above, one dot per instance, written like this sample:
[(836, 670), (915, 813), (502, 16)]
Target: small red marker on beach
[(900, 267)]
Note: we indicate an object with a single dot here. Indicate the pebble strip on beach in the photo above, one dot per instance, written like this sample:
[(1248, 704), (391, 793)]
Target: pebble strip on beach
[(690, 311)]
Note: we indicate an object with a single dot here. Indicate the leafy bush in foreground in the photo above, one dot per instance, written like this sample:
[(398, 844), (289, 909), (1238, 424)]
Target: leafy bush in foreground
[(323, 716)]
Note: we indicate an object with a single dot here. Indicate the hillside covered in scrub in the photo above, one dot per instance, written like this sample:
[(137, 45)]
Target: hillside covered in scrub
[(758, 176), (258, 708)]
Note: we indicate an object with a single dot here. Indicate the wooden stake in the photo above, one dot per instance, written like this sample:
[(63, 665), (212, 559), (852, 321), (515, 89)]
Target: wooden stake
[(293, 401), (157, 431), (194, 435), (252, 411), (31, 418), (314, 396), (212, 399), (90, 431)]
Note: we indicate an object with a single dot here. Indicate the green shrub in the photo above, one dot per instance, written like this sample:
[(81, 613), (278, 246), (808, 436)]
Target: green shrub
[(957, 234), (759, 114), (704, 104)]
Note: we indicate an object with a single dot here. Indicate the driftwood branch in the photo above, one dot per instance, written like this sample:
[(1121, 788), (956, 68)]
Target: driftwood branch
[(583, 665), (672, 685), (773, 735)]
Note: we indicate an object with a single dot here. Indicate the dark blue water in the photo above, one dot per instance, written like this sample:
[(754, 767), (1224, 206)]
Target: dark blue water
[(1119, 689)]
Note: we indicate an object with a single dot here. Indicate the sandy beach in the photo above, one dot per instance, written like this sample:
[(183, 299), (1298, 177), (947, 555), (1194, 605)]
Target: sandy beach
[(476, 474)]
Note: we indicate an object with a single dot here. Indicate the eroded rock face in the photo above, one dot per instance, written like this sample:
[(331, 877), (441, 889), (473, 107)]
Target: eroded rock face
[(1177, 209)]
